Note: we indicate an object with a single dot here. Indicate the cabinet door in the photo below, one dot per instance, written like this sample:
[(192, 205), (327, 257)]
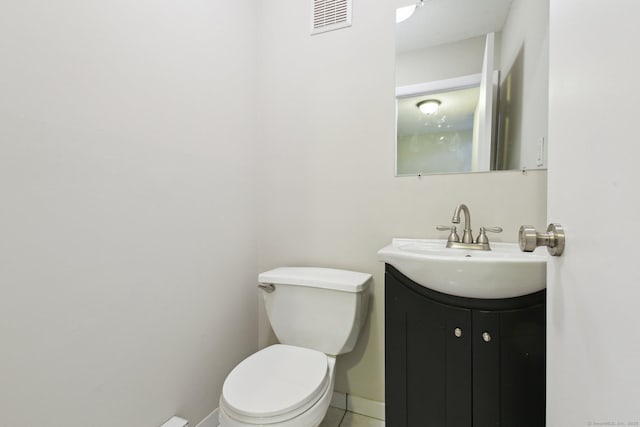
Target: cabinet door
[(522, 367), (509, 367), (428, 361), (486, 368)]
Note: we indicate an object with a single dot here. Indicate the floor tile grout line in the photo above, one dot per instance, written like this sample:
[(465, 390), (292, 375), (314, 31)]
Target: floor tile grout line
[(346, 407), (344, 414)]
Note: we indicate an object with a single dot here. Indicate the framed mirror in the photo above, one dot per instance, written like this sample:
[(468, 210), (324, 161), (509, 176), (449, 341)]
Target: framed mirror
[(496, 122)]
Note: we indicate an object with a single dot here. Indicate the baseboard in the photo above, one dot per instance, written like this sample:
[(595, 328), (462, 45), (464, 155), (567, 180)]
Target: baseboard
[(210, 420), (359, 405), (339, 400), (349, 402)]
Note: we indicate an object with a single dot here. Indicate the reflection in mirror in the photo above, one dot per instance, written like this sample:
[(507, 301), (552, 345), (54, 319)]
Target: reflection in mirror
[(437, 139), (430, 49)]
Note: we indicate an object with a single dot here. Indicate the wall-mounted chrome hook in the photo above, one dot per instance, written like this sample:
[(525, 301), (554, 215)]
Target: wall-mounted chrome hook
[(553, 239)]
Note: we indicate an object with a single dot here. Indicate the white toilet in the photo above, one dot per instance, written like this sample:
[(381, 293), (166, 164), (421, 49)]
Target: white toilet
[(316, 313)]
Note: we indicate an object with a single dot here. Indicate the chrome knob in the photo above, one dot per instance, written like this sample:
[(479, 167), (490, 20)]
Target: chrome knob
[(457, 332), (486, 336), (553, 239)]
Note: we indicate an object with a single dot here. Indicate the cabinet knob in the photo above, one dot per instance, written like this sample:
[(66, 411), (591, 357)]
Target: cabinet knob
[(457, 332), (486, 336)]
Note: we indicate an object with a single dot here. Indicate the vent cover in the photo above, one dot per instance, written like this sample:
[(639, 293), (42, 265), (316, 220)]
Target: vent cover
[(330, 15)]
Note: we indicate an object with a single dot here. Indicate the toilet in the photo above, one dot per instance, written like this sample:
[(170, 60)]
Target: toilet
[(317, 314)]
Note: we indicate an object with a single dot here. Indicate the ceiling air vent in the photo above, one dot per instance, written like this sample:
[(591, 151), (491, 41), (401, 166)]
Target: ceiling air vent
[(330, 15)]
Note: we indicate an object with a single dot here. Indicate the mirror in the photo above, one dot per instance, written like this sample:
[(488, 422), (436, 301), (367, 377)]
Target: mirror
[(441, 50)]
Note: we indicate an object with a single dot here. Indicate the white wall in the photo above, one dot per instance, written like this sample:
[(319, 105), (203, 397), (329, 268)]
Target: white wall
[(127, 256), (328, 194)]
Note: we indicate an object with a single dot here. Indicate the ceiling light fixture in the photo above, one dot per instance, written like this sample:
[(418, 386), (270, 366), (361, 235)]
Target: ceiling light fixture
[(404, 13), (429, 106)]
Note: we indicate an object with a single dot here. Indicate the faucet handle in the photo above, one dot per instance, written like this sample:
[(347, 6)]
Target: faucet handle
[(492, 229), (482, 236), (453, 233)]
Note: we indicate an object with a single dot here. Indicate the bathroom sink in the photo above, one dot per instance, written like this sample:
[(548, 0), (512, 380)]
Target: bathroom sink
[(502, 272)]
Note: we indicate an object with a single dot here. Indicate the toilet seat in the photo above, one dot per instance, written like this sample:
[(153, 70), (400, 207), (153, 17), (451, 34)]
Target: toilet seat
[(275, 384)]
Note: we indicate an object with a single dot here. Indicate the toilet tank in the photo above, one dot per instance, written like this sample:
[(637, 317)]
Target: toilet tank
[(319, 308)]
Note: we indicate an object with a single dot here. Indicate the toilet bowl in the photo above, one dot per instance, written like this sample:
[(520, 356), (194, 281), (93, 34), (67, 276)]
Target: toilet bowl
[(279, 386), (317, 314)]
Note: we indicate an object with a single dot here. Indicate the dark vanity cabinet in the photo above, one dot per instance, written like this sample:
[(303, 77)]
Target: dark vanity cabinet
[(462, 362)]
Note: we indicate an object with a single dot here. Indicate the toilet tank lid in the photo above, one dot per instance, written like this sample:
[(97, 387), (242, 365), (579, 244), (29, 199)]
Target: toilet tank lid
[(317, 277)]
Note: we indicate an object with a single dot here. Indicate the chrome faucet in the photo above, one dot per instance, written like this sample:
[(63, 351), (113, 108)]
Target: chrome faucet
[(467, 242), (467, 237)]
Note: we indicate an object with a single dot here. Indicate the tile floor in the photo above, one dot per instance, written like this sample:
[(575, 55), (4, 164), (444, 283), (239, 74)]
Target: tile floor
[(340, 418)]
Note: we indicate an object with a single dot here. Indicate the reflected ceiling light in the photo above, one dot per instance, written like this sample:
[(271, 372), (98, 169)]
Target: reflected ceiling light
[(404, 13), (429, 106)]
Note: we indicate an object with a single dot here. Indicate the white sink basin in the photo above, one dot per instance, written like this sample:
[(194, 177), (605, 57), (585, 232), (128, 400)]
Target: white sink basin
[(502, 272)]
